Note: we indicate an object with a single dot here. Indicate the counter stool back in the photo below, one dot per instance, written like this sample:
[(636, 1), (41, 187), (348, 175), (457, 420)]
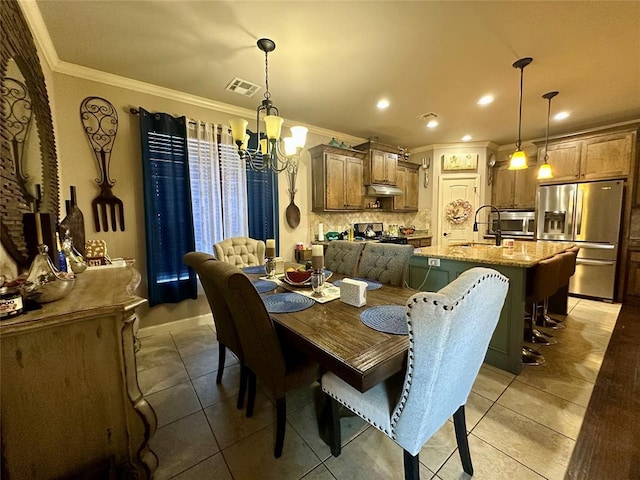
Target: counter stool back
[(343, 257)]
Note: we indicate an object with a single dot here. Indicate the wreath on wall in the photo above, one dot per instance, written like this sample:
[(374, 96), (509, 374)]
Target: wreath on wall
[(458, 211)]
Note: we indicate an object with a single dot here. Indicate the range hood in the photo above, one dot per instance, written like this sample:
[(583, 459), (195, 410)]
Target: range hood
[(383, 191)]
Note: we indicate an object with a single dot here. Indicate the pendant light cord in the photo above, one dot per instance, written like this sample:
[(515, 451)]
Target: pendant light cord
[(518, 142)]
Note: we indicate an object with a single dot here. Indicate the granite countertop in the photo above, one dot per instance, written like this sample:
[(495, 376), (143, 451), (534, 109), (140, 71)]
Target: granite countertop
[(523, 254)]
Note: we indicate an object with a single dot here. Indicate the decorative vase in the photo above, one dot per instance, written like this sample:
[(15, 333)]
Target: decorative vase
[(74, 223)]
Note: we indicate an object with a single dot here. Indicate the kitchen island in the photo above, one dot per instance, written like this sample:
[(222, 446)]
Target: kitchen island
[(431, 268)]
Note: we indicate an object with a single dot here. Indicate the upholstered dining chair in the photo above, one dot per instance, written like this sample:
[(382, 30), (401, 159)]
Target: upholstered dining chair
[(385, 262), (343, 257), (449, 333), (278, 366), (240, 251), (226, 333)]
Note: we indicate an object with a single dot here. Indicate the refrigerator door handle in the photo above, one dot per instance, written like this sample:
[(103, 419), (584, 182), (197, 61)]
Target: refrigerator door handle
[(600, 246), (570, 215), (579, 203), (582, 261)]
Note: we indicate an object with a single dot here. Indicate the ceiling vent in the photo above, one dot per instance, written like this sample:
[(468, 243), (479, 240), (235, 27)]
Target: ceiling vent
[(242, 87)]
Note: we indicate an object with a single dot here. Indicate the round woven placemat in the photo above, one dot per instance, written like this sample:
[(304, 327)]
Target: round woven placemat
[(387, 319)]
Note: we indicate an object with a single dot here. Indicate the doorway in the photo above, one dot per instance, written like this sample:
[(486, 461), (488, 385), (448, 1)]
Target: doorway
[(457, 202)]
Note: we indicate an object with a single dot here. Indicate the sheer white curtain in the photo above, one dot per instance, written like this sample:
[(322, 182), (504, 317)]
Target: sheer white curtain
[(218, 185)]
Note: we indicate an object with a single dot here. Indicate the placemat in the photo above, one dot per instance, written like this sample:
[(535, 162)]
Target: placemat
[(387, 319), (264, 285), (286, 302), (259, 269), (371, 284)]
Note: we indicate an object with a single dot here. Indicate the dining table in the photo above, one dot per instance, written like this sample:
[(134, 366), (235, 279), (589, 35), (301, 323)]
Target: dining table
[(333, 333)]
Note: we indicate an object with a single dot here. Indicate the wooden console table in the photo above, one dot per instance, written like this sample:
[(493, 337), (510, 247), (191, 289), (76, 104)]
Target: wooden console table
[(70, 401)]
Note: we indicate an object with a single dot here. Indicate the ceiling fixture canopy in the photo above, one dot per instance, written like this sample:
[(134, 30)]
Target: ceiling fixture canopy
[(519, 158), (272, 153), (545, 169)]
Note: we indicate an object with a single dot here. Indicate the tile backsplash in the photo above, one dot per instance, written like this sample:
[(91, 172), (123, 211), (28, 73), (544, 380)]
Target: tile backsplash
[(338, 222)]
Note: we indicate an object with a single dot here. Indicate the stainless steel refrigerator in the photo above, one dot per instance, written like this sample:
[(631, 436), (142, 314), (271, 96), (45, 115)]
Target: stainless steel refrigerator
[(588, 214)]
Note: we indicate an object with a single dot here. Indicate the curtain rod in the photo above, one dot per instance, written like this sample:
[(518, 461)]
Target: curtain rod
[(135, 111)]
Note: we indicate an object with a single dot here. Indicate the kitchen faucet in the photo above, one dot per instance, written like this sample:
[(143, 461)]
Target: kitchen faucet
[(498, 228)]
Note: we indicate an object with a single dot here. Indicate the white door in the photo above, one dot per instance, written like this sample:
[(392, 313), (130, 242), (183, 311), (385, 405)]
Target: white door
[(457, 203)]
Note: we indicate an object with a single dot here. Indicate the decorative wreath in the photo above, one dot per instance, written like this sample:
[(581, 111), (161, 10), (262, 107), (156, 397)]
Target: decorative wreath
[(458, 211)]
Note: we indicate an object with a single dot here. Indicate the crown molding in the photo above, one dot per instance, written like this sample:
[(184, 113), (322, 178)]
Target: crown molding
[(39, 31)]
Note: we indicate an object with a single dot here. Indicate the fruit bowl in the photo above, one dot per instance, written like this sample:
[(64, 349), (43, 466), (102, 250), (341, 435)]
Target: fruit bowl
[(298, 276)]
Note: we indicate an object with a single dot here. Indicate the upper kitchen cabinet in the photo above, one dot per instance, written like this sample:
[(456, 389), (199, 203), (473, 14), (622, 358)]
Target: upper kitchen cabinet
[(514, 188), (592, 157), (337, 179), (381, 165), (407, 176)]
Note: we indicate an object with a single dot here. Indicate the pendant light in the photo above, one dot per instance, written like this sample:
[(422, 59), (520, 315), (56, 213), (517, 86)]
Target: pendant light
[(544, 171), (519, 158)]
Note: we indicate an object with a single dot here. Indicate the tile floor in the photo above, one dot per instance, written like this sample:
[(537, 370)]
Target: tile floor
[(521, 426)]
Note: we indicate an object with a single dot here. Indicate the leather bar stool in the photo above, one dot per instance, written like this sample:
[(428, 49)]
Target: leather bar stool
[(542, 282), (567, 269)]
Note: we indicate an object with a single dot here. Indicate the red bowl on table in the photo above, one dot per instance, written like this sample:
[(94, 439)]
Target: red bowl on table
[(298, 276)]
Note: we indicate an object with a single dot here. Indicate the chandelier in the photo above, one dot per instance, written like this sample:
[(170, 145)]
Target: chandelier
[(519, 158), (273, 153)]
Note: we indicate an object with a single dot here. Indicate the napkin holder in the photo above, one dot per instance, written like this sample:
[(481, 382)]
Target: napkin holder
[(279, 266), (353, 292)]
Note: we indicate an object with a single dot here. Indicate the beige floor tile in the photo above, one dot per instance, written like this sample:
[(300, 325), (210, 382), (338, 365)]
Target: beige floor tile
[(231, 425), (206, 361), (162, 376), (155, 351), (559, 383), (174, 403), (476, 407), (371, 456), (319, 473), (491, 382), (210, 393), (489, 463), (579, 368), (543, 450), (549, 410), (439, 447), (194, 339), (252, 457), (213, 468), (182, 444), (305, 422)]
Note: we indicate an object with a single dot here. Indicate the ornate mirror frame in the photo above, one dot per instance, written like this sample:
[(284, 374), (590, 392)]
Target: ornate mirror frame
[(17, 43)]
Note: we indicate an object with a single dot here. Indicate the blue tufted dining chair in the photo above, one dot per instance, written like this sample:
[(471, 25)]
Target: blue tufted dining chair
[(449, 333)]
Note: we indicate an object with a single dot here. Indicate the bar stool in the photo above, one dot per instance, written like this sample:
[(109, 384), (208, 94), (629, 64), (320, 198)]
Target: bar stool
[(567, 269), (542, 282)]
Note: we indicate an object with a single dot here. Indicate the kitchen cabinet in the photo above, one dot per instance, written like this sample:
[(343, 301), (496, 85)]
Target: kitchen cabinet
[(337, 179), (407, 176), (381, 164), (593, 157), (514, 188), (418, 242)]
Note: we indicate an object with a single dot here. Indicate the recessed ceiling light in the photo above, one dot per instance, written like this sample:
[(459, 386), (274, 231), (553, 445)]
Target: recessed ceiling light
[(382, 104), (561, 115), (432, 123), (466, 138), (486, 100)]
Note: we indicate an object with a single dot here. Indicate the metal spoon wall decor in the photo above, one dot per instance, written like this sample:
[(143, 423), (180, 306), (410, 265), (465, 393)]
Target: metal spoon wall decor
[(292, 213), (100, 121)]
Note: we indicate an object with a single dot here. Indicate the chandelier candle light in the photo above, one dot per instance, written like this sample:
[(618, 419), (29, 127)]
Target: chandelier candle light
[(519, 158), (275, 153), (545, 171)]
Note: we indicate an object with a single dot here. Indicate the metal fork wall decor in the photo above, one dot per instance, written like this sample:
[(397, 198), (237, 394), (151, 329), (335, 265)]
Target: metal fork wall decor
[(100, 121)]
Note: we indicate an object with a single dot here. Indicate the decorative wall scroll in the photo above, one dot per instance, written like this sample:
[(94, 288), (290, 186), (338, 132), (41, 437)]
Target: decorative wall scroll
[(459, 161)]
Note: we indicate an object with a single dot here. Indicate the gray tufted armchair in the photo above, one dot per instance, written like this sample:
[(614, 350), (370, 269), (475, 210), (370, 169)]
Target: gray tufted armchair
[(343, 257), (385, 262), (449, 333), (240, 251)]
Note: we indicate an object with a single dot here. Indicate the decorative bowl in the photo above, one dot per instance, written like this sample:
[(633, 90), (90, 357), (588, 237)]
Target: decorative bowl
[(298, 277)]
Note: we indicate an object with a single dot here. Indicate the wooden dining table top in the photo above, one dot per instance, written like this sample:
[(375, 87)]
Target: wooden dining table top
[(333, 334)]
